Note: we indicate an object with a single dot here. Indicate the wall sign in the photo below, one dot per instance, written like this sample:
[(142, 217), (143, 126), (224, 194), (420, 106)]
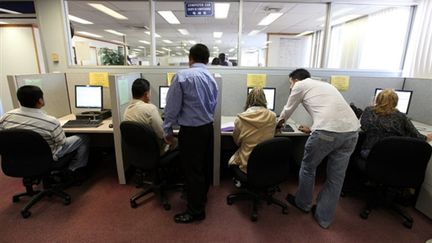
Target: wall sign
[(199, 9)]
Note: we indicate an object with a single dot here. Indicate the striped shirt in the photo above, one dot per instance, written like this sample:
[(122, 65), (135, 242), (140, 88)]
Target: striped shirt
[(36, 120)]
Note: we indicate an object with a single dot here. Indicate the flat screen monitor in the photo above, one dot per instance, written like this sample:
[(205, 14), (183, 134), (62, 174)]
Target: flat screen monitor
[(270, 94), (163, 91), (404, 99), (88, 96)]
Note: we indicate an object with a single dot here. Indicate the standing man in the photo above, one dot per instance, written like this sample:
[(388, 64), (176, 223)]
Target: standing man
[(191, 103), (333, 134)]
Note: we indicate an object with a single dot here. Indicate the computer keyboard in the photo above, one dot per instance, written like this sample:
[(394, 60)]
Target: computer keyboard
[(82, 123), (287, 128)]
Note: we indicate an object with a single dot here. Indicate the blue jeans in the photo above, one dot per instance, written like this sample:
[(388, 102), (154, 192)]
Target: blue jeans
[(338, 147), (80, 143)]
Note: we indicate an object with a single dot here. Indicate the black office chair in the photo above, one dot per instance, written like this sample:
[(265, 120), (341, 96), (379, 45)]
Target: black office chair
[(140, 148), (268, 166), (395, 163), (25, 154)]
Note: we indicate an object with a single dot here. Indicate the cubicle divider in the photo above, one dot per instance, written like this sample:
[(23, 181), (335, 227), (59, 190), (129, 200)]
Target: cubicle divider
[(420, 109), (54, 87)]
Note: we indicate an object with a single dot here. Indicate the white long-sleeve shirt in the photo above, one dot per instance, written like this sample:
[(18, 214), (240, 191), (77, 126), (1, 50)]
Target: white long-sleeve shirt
[(328, 108)]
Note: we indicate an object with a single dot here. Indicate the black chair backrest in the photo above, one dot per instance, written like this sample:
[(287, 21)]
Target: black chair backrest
[(140, 145), (399, 161), (24, 153), (268, 163)]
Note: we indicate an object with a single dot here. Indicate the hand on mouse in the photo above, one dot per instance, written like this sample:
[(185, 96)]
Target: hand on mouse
[(110, 125), (304, 129)]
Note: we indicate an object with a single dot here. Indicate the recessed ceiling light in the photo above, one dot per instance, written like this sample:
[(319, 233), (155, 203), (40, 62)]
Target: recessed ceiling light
[(166, 49), (167, 41), (145, 42), (169, 17), (231, 50), (89, 34), (218, 41), (217, 34), (115, 32), (107, 10), (156, 34), (79, 20), (270, 18), (221, 10), (254, 32), (192, 42), (137, 50), (2, 22), (183, 31), (141, 47), (9, 11)]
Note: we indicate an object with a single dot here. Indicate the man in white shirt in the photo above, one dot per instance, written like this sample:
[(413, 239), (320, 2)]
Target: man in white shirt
[(333, 134), (31, 116), (142, 111)]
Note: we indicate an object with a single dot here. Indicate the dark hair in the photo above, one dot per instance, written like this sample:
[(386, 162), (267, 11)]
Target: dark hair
[(199, 53), (215, 61), (29, 95), (222, 59), (139, 87), (300, 74)]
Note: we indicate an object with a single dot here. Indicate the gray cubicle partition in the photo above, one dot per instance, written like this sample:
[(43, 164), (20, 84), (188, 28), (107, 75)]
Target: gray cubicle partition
[(83, 79), (120, 93), (421, 102), (54, 87)]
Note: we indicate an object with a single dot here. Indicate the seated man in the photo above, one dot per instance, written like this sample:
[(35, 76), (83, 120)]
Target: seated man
[(30, 116), (141, 110)]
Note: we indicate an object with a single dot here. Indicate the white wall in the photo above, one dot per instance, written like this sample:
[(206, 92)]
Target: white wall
[(18, 55)]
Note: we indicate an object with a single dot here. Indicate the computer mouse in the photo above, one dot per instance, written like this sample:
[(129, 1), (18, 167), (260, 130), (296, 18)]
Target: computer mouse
[(110, 125)]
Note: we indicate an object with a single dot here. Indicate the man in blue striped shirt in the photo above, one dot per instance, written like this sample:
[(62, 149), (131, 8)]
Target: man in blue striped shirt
[(31, 116), (191, 103)]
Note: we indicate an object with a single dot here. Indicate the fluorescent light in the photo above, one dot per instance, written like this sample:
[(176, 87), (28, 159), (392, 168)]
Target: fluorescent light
[(270, 18), (304, 33), (137, 49), (107, 10), (254, 32), (192, 42), (221, 10), (215, 47), (169, 17), (217, 34), (156, 34), (9, 11), (89, 34), (231, 50), (79, 20), (183, 31), (166, 49), (167, 41), (160, 51), (141, 47), (2, 22), (145, 42), (218, 41), (115, 32)]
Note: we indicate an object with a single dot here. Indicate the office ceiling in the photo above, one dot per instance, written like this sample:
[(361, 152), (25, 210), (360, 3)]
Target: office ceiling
[(297, 18)]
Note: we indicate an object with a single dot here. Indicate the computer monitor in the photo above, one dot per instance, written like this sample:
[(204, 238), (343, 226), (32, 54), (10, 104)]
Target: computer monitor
[(404, 99), (88, 97), (163, 91), (270, 94)]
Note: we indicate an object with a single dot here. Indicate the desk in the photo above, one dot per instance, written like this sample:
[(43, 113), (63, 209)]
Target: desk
[(424, 200), (104, 128)]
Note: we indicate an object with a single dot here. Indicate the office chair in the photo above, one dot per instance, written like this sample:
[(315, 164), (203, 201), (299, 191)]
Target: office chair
[(268, 166), (395, 163), (25, 154), (140, 148)]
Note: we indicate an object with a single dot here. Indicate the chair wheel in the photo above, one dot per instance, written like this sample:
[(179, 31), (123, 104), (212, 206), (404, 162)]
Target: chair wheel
[(133, 204), (364, 214), (285, 210), (15, 199), (167, 206), (229, 201), (254, 217), (408, 224), (25, 214)]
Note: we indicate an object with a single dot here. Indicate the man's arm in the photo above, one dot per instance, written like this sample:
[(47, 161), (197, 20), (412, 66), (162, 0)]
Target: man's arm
[(294, 100)]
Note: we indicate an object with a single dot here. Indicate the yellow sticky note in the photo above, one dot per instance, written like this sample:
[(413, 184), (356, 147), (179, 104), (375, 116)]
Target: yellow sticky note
[(340, 82), (169, 78), (99, 78), (256, 80)]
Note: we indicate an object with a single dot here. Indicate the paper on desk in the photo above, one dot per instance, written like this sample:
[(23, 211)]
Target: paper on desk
[(227, 126)]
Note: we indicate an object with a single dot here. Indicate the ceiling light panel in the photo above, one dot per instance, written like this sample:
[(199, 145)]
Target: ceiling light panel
[(221, 10), (107, 10), (2, 22), (217, 34), (115, 32), (270, 18), (9, 11), (167, 41), (145, 42), (156, 34), (89, 34), (169, 17), (79, 20), (254, 32), (183, 31)]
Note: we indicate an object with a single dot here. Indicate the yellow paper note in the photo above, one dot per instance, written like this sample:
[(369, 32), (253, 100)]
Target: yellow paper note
[(99, 78), (256, 80), (169, 78), (340, 82)]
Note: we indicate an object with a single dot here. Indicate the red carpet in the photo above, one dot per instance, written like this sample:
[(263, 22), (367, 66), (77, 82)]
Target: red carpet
[(100, 212)]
